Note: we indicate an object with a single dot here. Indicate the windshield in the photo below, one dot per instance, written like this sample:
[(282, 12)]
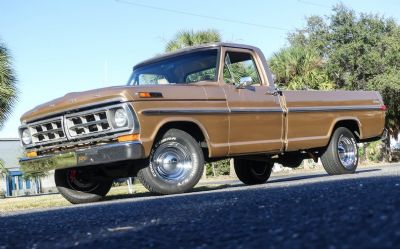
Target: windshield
[(180, 69)]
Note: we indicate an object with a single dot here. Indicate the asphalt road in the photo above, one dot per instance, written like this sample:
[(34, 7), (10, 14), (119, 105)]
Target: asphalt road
[(297, 211)]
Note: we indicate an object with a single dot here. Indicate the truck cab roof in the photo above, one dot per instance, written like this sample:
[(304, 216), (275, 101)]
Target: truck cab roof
[(194, 49)]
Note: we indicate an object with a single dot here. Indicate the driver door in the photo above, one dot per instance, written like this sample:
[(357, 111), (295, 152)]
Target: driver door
[(255, 117)]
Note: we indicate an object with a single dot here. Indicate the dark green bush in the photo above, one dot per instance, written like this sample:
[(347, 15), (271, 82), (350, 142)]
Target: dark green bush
[(220, 168), (373, 151)]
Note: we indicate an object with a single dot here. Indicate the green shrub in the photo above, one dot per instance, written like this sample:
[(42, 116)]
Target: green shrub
[(220, 168), (373, 151), (361, 152)]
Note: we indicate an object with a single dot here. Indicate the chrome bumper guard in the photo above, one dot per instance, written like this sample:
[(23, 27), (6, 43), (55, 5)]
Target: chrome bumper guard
[(103, 154)]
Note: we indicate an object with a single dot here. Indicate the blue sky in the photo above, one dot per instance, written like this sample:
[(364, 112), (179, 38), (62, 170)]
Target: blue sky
[(76, 45)]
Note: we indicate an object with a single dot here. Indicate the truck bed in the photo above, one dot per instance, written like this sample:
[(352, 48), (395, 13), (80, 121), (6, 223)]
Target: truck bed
[(312, 115)]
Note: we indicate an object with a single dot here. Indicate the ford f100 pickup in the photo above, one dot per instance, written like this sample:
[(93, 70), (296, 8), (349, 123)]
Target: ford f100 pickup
[(196, 105)]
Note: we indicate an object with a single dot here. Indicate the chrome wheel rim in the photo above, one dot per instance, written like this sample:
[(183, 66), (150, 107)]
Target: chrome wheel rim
[(347, 151), (172, 161)]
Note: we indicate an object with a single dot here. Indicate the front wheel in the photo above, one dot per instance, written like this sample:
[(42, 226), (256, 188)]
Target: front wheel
[(341, 156), (176, 164), (77, 185), (252, 172)]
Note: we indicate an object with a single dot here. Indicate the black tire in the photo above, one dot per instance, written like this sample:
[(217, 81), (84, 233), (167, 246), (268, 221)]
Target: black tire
[(74, 186), (252, 172), (176, 164), (336, 163)]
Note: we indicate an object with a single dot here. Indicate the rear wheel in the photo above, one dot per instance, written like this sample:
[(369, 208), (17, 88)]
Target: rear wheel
[(77, 185), (341, 156), (252, 172), (176, 164)]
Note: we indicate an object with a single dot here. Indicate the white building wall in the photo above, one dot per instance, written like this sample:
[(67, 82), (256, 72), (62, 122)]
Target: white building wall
[(3, 183), (48, 184)]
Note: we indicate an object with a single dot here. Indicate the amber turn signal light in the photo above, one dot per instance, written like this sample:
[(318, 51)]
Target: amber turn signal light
[(31, 154), (144, 95), (130, 137), (150, 95)]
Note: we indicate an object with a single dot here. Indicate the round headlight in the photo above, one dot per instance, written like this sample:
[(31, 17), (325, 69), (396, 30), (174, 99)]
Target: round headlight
[(26, 137), (120, 118)]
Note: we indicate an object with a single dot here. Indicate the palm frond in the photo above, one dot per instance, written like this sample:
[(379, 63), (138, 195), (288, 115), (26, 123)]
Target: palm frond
[(298, 68), (8, 85), (188, 38)]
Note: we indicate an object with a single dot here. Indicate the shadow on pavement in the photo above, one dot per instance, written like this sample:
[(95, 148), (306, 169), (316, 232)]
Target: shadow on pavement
[(148, 194), (303, 177), (234, 184), (367, 170), (295, 178)]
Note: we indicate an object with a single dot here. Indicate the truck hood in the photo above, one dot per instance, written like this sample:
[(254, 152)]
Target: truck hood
[(77, 100)]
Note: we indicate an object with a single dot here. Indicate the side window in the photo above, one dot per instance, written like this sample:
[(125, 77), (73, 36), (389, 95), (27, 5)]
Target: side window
[(240, 66)]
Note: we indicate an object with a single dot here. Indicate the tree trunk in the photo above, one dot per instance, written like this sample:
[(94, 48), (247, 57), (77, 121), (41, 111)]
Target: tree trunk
[(387, 154), (204, 172), (130, 185), (213, 169), (39, 185), (232, 172)]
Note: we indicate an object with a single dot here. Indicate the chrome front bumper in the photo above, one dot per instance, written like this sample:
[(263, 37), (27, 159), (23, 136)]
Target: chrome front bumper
[(102, 154)]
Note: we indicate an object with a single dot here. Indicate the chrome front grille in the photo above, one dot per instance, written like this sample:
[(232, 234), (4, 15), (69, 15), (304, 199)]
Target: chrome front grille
[(86, 124), (48, 131)]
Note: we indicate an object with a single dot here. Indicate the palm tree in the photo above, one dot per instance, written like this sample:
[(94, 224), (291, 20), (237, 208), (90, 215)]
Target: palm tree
[(8, 85), (187, 38), (298, 68)]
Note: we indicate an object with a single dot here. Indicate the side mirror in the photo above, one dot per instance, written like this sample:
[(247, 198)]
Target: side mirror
[(244, 81)]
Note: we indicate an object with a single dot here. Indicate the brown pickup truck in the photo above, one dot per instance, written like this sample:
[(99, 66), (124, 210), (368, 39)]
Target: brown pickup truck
[(185, 108)]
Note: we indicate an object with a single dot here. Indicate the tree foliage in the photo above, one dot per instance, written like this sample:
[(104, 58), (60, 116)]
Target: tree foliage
[(33, 175), (357, 51), (26, 174), (8, 88), (218, 168), (3, 169), (356, 47), (388, 84), (188, 38), (297, 68), (233, 72), (373, 151)]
